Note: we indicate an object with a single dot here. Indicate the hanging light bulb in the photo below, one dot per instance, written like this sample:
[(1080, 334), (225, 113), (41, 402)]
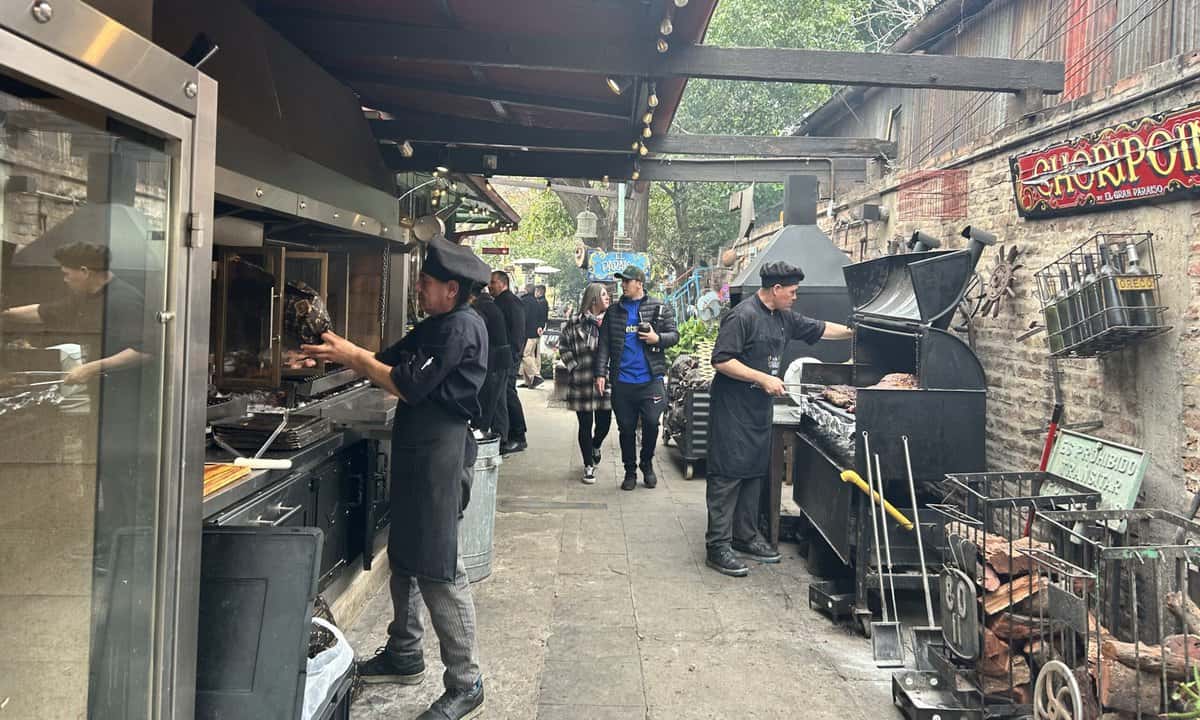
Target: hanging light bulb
[(636, 145), (646, 132), (643, 150), (605, 181), (636, 173), (681, 3), (665, 27), (648, 118), (662, 45), (652, 101)]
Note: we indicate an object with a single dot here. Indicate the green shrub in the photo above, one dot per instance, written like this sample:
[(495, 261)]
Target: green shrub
[(690, 333)]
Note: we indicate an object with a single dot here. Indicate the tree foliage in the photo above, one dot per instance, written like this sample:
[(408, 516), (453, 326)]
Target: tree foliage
[(690, 221), (546, 232)]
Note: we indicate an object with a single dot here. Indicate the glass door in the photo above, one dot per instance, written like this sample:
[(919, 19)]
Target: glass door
[(94, 189)]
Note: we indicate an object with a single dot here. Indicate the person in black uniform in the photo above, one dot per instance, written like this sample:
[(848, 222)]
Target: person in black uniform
[(436, 371), (499, 359), (511, 425), (747, 358)]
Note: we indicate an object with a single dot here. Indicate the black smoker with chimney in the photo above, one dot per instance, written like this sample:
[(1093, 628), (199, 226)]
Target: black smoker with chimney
[(910, 377)]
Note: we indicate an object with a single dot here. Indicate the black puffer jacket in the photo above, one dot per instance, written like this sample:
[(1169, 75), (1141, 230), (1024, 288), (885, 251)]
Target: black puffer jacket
[(612, 337)]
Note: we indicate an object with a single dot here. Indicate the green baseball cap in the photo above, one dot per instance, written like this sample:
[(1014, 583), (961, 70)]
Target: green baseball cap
[(631, 272)]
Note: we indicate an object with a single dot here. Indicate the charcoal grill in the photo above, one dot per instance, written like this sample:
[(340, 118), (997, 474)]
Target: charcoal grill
[(902, 307)]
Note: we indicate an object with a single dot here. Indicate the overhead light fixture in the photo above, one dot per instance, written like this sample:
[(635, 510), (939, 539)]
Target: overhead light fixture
[(636, 144), (642, 149), (646, 132), (652, 101), (648, 117), (443, 169), (662, 45), (681, 3), (618, 85), (665, 27), (406, 149)]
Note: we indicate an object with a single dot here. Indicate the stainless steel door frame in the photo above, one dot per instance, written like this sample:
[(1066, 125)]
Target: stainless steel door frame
[(75, 53)]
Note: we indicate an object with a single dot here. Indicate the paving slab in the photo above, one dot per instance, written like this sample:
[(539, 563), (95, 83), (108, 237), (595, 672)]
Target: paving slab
[(600, 607)]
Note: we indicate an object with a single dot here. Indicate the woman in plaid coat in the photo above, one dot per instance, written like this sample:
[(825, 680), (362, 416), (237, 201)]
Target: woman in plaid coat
[(577, 347)]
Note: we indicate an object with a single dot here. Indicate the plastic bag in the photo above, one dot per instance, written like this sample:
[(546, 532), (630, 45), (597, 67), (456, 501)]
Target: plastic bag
[(326, 670)]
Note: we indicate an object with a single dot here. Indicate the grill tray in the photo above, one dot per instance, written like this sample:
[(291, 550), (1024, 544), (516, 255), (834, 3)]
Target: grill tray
[(249, 433)]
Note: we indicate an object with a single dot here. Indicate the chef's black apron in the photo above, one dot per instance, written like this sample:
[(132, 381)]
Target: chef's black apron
[(739, 434), (433, 458)]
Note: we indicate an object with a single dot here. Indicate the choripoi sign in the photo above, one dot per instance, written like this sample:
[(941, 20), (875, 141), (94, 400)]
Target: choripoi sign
[(1154, 158)]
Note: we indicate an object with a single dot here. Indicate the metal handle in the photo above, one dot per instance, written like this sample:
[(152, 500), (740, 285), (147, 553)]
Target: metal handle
[(286, 515), (271, 328), (912, 489)]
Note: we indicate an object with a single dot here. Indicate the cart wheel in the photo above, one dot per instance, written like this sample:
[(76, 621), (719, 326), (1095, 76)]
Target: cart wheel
[(1056, 694), (689, 471)]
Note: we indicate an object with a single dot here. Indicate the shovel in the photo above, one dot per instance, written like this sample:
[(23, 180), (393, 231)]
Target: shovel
[(886, 645), (931, 635)]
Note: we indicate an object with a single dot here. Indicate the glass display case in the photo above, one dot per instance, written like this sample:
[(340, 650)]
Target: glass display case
[(248, 317)]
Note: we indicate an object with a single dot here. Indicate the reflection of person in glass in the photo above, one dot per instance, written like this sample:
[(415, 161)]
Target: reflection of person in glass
[(94, 295)]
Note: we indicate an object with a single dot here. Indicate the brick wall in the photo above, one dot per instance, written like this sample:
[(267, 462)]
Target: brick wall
[(1148, 396)]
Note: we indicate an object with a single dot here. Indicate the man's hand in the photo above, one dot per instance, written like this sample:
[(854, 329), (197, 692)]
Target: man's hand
[(336, 349), (771, 385), (649, 337), (600, 382), (83, 374), (540, 331)]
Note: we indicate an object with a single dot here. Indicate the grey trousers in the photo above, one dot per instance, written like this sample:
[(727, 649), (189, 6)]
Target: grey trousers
[(452, 611), (733, 505)]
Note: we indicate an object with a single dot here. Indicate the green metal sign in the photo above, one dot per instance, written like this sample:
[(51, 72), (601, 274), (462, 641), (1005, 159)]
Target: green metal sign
[(1115, 471)]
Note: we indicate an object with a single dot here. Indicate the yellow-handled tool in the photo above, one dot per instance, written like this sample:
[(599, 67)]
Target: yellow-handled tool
[(852, 477)]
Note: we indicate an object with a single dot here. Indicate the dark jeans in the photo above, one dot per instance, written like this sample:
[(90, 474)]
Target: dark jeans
[(733, 505), (590, 439), (645, 402), (510, 419)]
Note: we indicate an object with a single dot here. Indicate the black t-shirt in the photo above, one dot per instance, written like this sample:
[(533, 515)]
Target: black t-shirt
[(105, 322), (757, 336), (443, 360)]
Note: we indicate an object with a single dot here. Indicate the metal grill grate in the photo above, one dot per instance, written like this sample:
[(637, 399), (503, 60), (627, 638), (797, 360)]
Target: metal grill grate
[(933, 195)]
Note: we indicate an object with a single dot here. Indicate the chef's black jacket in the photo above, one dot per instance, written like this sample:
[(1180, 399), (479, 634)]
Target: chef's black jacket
[(439, 368), (740, 417), (514, 313)]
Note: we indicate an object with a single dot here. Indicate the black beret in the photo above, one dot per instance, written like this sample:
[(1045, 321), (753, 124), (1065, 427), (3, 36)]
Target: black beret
[(780, 273), (446, 261)]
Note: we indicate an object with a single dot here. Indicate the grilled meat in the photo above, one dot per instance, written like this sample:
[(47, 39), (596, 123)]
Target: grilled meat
[(843, 396), (897, 381)]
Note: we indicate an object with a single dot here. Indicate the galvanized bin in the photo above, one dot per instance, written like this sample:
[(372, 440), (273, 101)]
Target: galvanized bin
[(475, 529)]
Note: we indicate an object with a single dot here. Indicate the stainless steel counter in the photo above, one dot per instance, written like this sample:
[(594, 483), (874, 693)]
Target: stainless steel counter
[(302, 461)]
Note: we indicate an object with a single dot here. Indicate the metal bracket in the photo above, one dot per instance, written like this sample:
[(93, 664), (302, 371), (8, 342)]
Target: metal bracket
[(195, 230)]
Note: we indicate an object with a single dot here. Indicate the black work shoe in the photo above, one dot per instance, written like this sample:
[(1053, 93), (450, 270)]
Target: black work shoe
[(456, 704), (513, 446), (536, 381), (648, 476), (725, 562), (757, 550), (387, 667), (630, 481), (595, 456)]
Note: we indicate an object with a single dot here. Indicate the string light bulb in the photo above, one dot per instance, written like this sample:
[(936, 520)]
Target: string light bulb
[(646, 132), (662, 46), (681, 3), (648, 118), (652, 101), (635, 174), (665, 27), (643, 150), (636, 144)]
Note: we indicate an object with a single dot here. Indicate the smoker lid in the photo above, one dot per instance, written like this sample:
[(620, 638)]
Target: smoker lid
[(802, 245), (915, 288)]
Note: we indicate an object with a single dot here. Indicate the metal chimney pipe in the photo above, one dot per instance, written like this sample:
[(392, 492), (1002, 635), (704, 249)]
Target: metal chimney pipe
[(979, 240)]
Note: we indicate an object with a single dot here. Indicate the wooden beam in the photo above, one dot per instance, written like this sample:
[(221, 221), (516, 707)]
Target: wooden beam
[(942, 72), (333, 40), (451, 130), (371, 83), (774, 170), (769, 146), (594, 166)]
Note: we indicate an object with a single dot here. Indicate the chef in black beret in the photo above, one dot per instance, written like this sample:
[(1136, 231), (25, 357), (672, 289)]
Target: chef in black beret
[(436, 371), (747, 357)]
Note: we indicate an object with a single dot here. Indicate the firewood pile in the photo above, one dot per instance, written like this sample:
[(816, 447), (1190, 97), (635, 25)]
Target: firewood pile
[(689, 373), (1020, 635)]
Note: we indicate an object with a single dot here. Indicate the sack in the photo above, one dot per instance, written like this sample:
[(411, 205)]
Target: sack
[(326, 670)]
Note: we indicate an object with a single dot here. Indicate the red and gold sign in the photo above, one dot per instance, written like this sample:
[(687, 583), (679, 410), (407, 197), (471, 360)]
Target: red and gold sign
[(1155, 158)]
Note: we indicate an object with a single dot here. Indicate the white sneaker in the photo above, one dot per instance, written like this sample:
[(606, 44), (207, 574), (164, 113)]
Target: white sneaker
[(589, 476)]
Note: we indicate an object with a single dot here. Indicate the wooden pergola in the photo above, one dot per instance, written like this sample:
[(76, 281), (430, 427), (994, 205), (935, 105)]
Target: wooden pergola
[(564, 88)]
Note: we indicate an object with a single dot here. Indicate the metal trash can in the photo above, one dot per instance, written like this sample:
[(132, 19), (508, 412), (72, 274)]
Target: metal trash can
[(475, 529)]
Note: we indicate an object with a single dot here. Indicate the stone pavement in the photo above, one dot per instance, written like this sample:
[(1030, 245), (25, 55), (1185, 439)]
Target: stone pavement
[(600, 607)]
